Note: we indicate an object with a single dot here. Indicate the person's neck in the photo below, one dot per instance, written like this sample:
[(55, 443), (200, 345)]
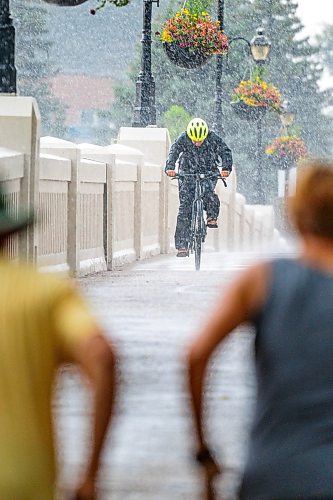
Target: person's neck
[(317, 250)]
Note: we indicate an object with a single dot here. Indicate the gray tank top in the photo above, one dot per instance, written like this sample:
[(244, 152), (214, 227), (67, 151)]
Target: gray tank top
[(291, 445)]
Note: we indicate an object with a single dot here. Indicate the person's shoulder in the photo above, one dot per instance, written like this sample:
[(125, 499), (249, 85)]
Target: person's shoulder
[(182, 137), (252, 285), (214, 137)]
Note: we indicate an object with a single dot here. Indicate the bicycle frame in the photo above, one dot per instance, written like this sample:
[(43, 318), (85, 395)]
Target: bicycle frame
[(198, 226), (198, 229)]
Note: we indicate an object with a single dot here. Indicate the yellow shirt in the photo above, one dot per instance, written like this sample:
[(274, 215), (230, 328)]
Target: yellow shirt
[(42, 319)]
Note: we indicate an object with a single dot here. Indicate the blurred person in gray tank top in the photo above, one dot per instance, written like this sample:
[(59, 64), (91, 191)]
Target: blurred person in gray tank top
[(290, 304)]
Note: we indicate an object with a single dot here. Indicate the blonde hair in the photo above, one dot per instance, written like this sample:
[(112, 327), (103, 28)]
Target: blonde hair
[(311, 209)]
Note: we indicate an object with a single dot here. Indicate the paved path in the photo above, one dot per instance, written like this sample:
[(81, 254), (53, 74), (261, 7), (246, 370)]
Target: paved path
[(152, 309)]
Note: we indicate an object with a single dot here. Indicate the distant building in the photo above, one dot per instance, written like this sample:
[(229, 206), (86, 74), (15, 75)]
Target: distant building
[(84, 96)]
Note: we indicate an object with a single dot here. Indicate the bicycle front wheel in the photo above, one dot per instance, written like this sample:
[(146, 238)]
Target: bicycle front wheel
[(197, 251)]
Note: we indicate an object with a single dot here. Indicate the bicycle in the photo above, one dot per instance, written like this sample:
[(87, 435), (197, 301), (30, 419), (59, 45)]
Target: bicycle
[(198, 229)]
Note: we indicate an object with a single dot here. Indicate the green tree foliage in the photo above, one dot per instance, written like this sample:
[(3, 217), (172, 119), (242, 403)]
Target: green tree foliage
[(176, 119), (33, 65), (326, 43)]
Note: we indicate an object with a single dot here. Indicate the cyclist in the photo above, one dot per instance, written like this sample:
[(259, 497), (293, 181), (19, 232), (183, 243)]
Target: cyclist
[(197, 150)]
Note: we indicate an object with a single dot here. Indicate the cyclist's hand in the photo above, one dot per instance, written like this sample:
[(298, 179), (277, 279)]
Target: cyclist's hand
[(225, 173), (171, 173)]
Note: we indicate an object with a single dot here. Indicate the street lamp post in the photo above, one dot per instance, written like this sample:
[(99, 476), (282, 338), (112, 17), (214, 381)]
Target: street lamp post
[(260, 47), (218, 119), (144, 109), (7, 50)]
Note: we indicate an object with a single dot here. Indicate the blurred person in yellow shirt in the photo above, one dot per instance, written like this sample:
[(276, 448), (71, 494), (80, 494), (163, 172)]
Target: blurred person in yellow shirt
[(44, 323)]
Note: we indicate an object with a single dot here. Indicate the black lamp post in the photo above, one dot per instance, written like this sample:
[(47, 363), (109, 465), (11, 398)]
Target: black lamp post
[(260, 48), (7, 51), (144, 109), (218, 120)]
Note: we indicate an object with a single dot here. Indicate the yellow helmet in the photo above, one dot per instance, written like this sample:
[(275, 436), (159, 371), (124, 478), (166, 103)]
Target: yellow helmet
[(197, 129)]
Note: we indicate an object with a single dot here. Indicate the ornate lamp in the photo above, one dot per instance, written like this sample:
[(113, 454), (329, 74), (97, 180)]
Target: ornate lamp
[(260, 46)]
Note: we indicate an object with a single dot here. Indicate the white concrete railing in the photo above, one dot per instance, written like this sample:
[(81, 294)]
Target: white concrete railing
[(55, 176), (12, 173), (101, 207)]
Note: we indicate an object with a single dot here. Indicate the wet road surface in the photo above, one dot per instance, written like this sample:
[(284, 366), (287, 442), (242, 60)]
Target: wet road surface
[(151, 309)]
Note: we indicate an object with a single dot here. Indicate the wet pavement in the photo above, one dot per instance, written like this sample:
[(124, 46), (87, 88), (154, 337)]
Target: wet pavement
[(152, 309)]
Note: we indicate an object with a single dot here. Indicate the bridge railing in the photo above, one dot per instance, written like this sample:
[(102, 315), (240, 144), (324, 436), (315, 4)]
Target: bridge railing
[(12, 174), (100, 207)]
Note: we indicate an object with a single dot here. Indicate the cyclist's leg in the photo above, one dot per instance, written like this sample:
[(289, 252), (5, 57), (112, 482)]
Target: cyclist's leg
[(211, 200), (186, 196)]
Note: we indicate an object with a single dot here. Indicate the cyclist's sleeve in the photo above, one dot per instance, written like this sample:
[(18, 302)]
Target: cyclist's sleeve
[(224, 152), (226, 158), (175, 151)]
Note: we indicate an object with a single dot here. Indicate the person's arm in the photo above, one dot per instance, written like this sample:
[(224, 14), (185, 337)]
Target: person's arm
[(238, 305), (174, 153), (225, 153), (96, 357), (79, 341)]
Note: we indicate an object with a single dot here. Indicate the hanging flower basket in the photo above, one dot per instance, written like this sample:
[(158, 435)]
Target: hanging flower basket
[(252, 98), (286, 150), (250, 113), (182, 57), (66, 3), (189, 40)]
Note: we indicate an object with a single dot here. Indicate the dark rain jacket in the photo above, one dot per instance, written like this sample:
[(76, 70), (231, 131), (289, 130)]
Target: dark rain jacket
[(206, 157)]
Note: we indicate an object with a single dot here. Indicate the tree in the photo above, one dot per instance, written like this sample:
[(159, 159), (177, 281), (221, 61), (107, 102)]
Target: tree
[(33, 65), (326, 42), (176, 119)]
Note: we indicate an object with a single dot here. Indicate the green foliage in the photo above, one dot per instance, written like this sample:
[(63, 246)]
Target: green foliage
[(175, 119), (102, 4), (33, 65), (198, 6), (326, 43)]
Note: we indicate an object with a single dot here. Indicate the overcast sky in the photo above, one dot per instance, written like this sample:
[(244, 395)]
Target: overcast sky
[(314, 14)]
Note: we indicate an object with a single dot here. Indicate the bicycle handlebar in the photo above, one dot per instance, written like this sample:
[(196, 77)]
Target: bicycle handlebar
[(201, 176)]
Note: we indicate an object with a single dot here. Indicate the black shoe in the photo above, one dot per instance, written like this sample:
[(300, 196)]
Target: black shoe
[(212, 223), (182, 252)]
